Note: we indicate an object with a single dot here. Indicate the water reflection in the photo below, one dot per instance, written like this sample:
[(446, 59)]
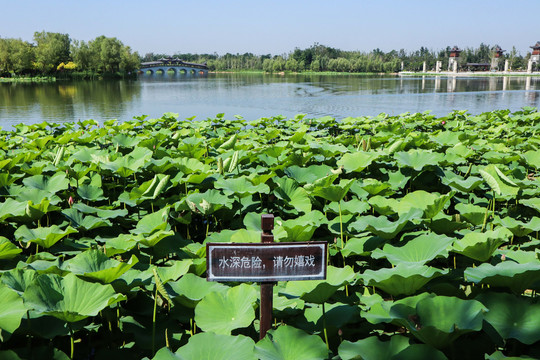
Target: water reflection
[(260, 95)]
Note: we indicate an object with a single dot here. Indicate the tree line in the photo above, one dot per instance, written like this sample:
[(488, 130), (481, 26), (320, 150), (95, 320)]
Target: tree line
[(55, 54), (320, 58)]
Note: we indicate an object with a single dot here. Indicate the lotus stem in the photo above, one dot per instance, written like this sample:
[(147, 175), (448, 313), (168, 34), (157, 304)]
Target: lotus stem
[(154, 323), (324, 326), (340, 224), (72, 341)]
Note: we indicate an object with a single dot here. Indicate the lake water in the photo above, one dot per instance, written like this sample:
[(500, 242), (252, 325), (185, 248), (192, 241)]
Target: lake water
[(256, 95)]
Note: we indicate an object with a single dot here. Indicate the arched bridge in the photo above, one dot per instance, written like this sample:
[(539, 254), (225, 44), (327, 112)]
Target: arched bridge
[(176, 65)]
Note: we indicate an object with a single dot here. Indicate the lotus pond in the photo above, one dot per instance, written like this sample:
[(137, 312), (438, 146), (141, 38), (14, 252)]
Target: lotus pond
[(432, 225)]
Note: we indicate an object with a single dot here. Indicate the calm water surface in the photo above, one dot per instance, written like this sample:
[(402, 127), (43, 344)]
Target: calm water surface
[(255, 95)]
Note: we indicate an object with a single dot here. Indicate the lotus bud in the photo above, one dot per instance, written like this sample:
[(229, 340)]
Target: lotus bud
[(70, 201), (503, 257), (443, 122)]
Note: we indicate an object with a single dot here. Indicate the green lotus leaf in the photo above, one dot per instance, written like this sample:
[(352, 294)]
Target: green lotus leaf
[(18, 279), (95, 265), (69, 298), (12, 208), (99, 212), (127, 165), (420, 249), (334, 193), (447, 138), (289, 343), (353, 207), (222, 313), (371, 348), (125, 141), (245, 236), (509, 274), (174, 271), (190, 289), (446, 224), (90, 192), (335, 315), (43, 236), (357, 161), (518, 228), (374, 186), (153, 222), (362, 246), (318, 291), (480, 246), (440, 320), (8, 250), (532, 157), (292, 194), (396, 312), (404, 279), (211, 346), (37, 196), (151, 189), (87, 222), (459, 183), (418, 158), (384, 205), (307, 175), (472, 213), (303, 227), (532, 203), (53, 184), (189, 165), (512, 316), (383, 227), (11, 312), (419, 351), (499, 355), (519, 256), (240, 186), (430, 203), (498, 182), (208, 202)]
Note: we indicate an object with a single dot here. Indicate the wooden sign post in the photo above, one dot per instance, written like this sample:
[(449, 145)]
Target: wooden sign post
[(266, 262)]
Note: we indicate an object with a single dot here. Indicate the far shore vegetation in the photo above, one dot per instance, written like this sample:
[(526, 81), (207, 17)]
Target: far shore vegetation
[(55, 56)]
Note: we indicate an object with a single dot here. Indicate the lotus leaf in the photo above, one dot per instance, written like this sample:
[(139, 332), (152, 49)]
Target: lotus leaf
[(480, 246), (498, 182), (100, 212), (334, 193), (371, 348), (95, 265), (43, 236), (303, 227), (208, 202), (190, 289), (374, 187), (175, 271), (362, 246), (512, 316), (69, 298), (288, 343), (18, 279), (357, 161), (383, 227), (8, 250), (223, 312), (518, 228), (90, 192), (12, 208), (430, 203), (532, 157), (418, 158), (81, 222), (472, 213), (318, 291), (53, 184), (420, 249), (509, 274), (353, 207), (240, 186), (404, 279), (11, 312), (532, 203), (459, 183), (308, 175), (440, 320), (153, 222), (214, 347), (335, 315), (292, 194)]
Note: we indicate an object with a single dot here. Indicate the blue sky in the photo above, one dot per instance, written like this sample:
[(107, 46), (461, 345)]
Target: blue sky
[(279, 26)]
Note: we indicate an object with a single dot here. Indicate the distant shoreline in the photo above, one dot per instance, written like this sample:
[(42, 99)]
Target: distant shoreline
[(469, 73)]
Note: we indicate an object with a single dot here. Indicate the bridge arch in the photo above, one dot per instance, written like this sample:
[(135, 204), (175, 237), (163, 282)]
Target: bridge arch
[(164, 65)]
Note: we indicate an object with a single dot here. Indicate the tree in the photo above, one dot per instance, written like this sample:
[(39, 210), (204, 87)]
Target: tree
[(51, 50)]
